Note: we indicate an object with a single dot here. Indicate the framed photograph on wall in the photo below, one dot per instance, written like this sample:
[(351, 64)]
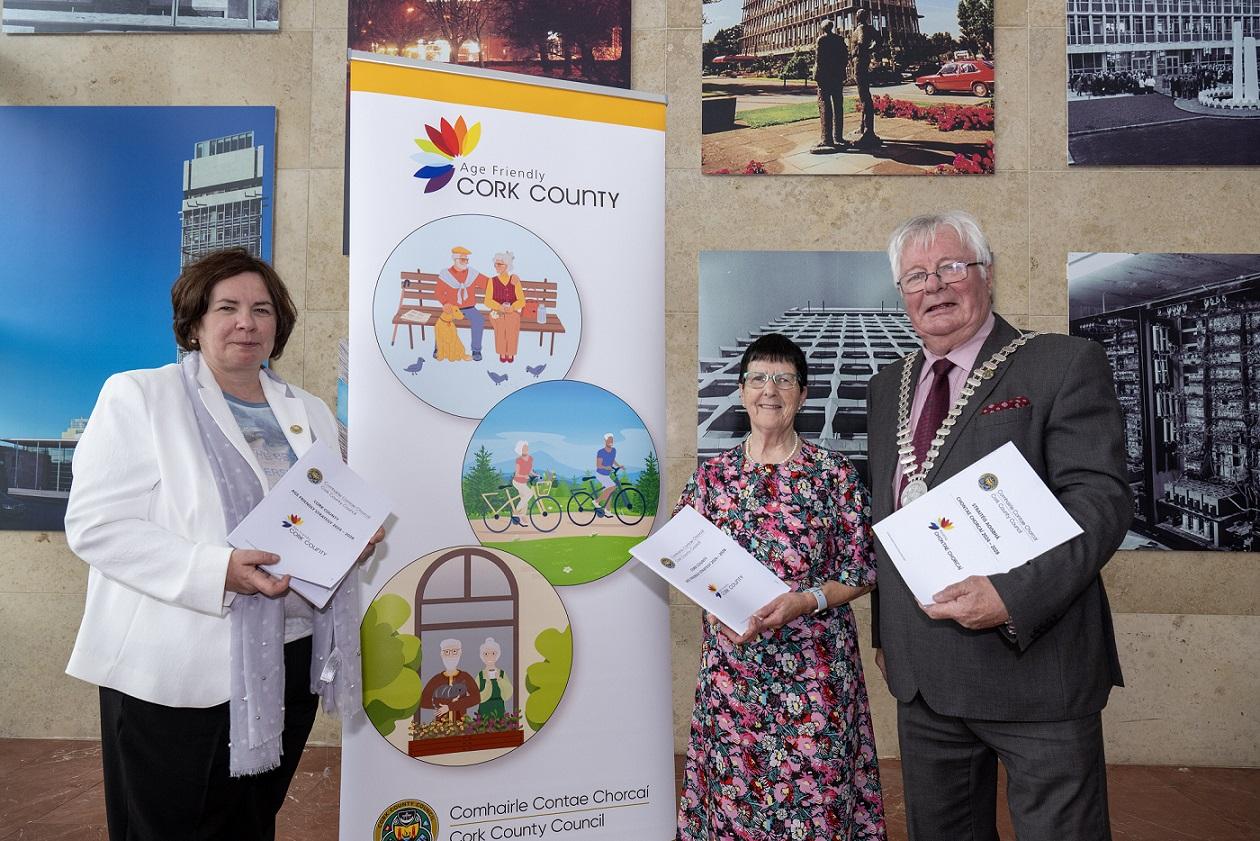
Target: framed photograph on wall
[(820, 87), (1153, 85), (1181, 334), (579, 42), (113, 202), (841, 307), (44, 17)]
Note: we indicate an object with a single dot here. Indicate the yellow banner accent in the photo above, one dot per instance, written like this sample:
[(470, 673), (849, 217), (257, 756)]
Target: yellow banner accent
[(420, 83)]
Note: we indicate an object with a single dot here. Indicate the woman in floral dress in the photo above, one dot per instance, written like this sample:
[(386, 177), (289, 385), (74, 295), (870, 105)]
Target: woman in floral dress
[(781, 740)]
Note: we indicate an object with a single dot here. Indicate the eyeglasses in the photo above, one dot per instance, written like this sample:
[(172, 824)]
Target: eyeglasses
[(947, 273), (759, 379)]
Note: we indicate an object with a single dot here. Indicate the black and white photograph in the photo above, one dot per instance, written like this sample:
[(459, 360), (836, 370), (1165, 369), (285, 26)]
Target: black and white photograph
[(1154, 84), (1182, 332), (841, 307), (76, 16)]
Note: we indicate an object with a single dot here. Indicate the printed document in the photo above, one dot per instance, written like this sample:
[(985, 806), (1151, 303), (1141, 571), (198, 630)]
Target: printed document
[(989, 518), (707, 566), (317, 518)]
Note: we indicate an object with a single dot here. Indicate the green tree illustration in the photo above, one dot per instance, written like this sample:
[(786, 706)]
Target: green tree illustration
[(391, 664), (483, 478), (649, 483), (546, 680)]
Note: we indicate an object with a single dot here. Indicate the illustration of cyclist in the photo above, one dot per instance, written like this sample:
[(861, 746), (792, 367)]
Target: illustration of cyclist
[(605, 463), (521, 481)]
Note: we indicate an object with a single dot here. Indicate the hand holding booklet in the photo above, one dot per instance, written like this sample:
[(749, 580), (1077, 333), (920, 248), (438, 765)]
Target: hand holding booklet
[(318, 519), (988, 518), (707, 566)]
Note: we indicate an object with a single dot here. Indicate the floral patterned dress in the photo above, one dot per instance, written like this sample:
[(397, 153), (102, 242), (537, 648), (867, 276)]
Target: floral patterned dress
[(781, 740)]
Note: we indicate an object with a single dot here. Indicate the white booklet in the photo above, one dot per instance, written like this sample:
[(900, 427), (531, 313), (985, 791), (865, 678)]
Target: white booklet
[(988, 518), (707, 566), (317, 518)]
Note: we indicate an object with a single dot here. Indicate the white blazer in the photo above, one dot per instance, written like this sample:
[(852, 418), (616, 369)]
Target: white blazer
[(144, 513)]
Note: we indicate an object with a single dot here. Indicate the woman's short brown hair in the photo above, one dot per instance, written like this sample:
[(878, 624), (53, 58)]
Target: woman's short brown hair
[(190, 296)]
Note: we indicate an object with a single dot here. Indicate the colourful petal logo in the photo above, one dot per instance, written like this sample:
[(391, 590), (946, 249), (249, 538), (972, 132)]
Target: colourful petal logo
[(444, 144), (714, 590), (943, 524), (292, 520)]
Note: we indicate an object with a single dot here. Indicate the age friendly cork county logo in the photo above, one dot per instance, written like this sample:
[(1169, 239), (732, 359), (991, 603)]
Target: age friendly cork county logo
[(315, 475), (715, 591), (444, 144), (943, 524), (291, 521), (668, 563), (988, 482), (407, 820)]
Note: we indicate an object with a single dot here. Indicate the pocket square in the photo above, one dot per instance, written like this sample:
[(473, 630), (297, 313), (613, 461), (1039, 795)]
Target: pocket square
[(1003, 405)]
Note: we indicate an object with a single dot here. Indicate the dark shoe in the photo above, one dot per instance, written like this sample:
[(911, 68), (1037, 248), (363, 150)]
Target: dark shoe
[(476, 356), (599, 512), (516, 521)]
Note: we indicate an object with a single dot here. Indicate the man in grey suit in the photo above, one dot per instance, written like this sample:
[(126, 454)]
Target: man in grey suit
[(1016, 666)]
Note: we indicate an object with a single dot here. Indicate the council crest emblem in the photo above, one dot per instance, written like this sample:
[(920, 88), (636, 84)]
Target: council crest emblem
[(407, 820)]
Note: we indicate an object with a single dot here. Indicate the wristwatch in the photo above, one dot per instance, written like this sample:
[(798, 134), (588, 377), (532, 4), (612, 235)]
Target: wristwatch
[(819, 597)]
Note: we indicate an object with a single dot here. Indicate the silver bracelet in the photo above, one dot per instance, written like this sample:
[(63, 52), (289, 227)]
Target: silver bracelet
[(819, 597)]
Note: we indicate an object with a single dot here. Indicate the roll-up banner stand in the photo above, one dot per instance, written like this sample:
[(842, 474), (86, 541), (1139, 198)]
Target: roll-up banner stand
[(507, 352)]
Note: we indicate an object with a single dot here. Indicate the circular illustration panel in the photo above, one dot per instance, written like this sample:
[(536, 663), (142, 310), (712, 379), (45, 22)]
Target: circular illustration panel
[(466, 654), (470, 308), (564, 475)]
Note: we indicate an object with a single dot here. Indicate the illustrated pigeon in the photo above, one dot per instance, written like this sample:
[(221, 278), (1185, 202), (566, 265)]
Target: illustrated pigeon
[(498, 379), (535, 369), (415, 369)]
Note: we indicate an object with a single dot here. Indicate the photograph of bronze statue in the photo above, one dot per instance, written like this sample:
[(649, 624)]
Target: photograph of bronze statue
[(913, 80)]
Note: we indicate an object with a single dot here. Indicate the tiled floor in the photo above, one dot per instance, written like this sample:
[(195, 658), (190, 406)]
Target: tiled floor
[(52, 790)]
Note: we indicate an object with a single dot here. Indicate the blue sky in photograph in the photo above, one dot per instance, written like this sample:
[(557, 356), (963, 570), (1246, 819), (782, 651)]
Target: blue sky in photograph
[(564, 422), (91, 240), (938, 16)]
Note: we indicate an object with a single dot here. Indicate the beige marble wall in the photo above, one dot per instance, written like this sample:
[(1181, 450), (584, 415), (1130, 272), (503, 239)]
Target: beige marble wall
[(1188, 622)]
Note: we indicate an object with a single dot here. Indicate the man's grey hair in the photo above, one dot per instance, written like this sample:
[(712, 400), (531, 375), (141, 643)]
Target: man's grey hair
[(920, 231)]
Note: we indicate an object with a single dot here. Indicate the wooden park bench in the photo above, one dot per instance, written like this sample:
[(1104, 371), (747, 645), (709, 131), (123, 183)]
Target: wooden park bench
[(418, 307)]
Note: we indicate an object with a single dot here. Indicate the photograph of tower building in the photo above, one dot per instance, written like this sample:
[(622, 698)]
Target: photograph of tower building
[(840, 307), (223, 197), (1158, 83), (1182, 332), (166, 185), (847, 87)]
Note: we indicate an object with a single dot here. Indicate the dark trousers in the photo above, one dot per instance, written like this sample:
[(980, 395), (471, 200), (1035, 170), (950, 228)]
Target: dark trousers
[(1056, 777), (831, 113), (868, 106), (166, 768)]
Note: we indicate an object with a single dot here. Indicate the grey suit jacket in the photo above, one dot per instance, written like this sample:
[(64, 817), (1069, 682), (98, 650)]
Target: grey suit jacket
[(1063, 661)]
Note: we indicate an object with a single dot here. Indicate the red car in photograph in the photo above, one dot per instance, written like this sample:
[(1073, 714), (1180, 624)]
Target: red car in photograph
[(969, 74)]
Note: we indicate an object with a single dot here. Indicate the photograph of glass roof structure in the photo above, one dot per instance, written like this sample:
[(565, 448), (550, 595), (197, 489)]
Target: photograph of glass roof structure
[(840, 307)]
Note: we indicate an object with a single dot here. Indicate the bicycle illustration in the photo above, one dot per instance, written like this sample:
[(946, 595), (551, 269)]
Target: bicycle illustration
[(543, 510), (627, 502)]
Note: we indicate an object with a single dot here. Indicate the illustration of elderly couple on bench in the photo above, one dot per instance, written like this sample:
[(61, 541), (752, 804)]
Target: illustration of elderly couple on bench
[(459, 281), (458, 289)]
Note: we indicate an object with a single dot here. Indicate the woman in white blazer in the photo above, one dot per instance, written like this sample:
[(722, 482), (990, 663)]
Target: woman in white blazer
[(177, 626)]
